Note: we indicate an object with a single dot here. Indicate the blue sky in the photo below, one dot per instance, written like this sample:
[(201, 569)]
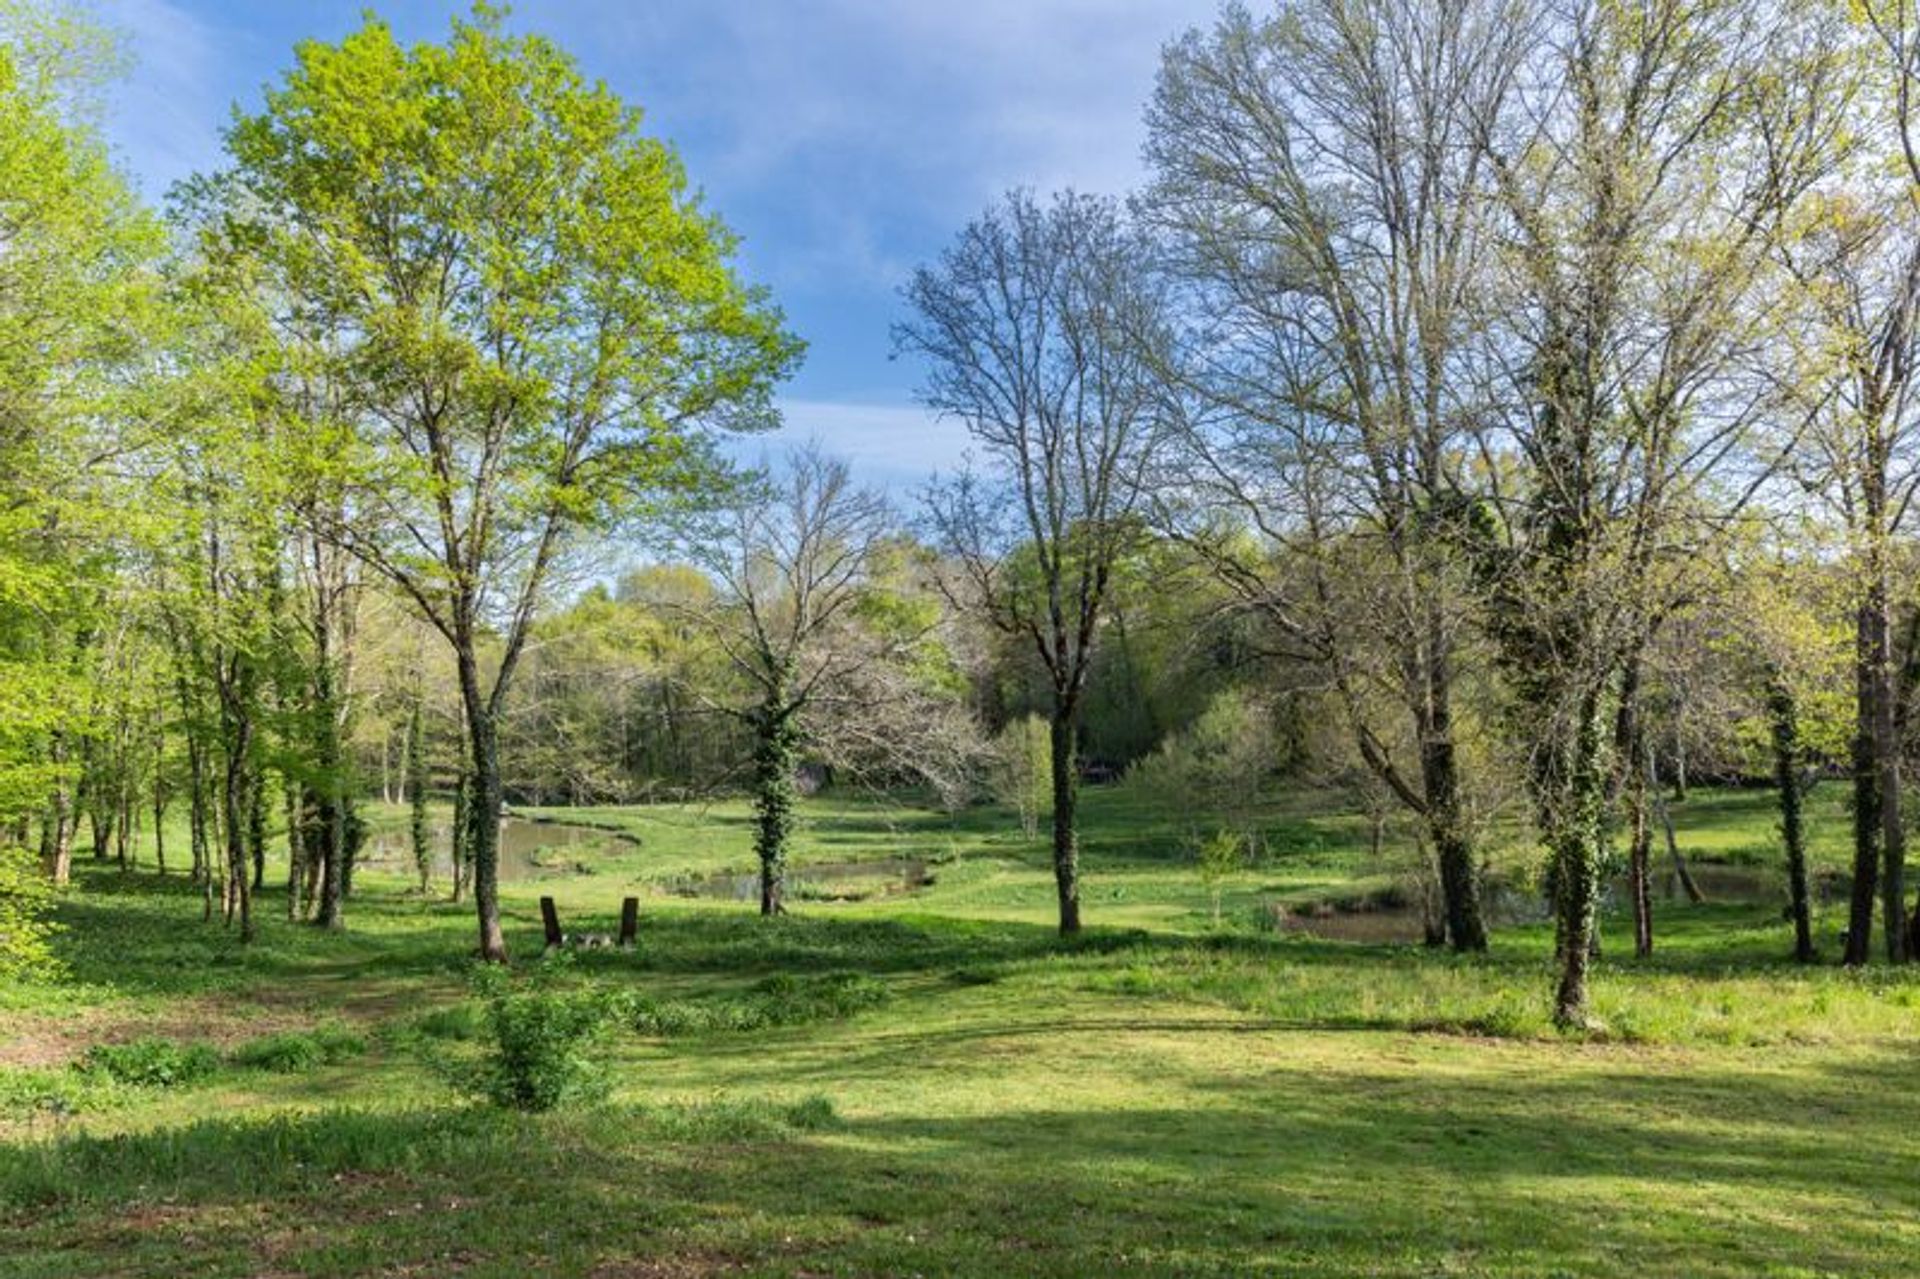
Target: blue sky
[(846, 140)]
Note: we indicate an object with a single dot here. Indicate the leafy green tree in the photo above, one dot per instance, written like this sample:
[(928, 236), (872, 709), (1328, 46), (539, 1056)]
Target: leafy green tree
[(530, 320)]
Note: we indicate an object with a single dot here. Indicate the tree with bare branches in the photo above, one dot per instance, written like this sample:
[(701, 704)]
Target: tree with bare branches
[(1036, 327)]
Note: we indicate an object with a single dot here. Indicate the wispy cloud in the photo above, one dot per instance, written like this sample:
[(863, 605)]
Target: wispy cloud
[(898, 446), (166, 114)]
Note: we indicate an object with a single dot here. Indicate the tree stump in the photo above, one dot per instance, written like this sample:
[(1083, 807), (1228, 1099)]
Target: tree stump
[(550, 918), (629, 922)]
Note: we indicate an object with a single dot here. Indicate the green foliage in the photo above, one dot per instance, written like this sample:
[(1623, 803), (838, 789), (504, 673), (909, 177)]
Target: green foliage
[(1220, 765), (1021, 774), (541, 1040), (1218, 856), (26, 1093), (26, 934), (152, 1062), (294, 1052)]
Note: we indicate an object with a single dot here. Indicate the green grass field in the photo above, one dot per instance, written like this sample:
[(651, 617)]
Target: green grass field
[(1166, 1095)]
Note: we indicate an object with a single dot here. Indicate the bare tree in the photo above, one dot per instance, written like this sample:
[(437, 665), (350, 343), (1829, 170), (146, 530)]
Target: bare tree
[(1036, 327), (792, 555), (1317, 172)]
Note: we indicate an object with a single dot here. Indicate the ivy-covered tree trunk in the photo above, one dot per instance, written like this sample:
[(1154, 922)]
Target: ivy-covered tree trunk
[(1066, 795), (1573, 821), (1783, 714), (775, 746)]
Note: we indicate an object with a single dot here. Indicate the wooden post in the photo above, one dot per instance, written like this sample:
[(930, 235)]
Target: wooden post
[(550, 917), (629, 921)]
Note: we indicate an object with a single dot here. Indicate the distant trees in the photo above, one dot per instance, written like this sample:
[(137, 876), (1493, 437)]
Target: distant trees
[(1037, 328)]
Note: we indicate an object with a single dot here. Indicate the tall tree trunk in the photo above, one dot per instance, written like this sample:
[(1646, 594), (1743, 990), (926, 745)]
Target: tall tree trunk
[(1783, 715), (296, 850), (1870, 681), (236, 803), (159, 826), (197, 808), (1066, 836), (1640, 778), (1446, 822), (462, 833), (484, 816), (257, 827), (415, 782), (60, 818)]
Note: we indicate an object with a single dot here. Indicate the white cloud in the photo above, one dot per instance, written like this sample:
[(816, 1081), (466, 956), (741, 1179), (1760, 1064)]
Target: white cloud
[(896, 446), (166, 114)]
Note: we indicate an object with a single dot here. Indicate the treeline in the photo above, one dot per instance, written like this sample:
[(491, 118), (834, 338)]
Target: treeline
[(1485, 405)]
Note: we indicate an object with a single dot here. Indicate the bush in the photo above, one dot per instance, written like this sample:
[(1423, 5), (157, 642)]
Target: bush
[(297, 1051), (152, 1062), (541, 1040)]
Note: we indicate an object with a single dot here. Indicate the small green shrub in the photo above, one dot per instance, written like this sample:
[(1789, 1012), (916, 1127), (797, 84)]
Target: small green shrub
[(540, 1039), (152, 1062), (294, 1052)]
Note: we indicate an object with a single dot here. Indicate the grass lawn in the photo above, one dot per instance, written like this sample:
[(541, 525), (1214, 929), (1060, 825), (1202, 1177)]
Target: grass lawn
[(1165, 1095)]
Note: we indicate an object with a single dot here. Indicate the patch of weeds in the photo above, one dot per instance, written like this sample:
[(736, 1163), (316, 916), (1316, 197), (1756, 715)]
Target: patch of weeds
[(782, 1000), (733, 1119), (69, 1092), (295, 1052), (460, 1022), (152, 1062)]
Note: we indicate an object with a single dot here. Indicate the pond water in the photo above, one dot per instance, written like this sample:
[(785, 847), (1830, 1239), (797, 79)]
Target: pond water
[(820, 881), (1402, 924), (528, 849)]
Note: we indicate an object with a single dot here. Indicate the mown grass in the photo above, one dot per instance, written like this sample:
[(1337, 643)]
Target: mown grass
[(937, 1084)]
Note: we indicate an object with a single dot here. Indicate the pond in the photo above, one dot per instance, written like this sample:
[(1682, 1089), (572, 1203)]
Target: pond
[(528, 849), (820, 881)]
